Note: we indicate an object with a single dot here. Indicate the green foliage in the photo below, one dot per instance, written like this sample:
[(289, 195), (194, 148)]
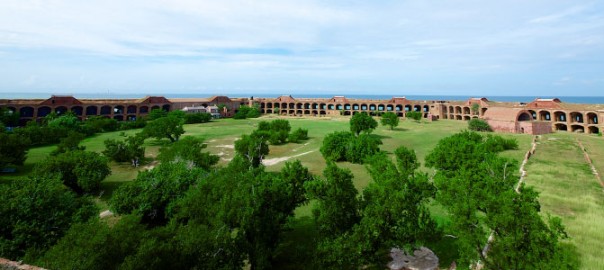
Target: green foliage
[(188, 149), (69, 143), (406, 161), (140, 122), (35, 213), (82, 171), (40, 134), (335, 145), (170, 127), (298, 135), (95, 245), (600, 134), (417, 116), (13, 149), (361, 147), (475, 107), (390, 119), (247, 112), (101, 124), (68, 120), (252, 148), (477, 124), (337, 208), (151, 192), (362, 122), (125, 151), (195, 118), (156, 114), (467, 163)]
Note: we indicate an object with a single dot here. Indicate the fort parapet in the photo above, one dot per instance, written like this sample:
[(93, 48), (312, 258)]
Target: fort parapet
[(537, 117)]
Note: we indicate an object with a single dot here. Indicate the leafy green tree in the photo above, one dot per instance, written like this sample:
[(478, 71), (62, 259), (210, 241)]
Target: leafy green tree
[(170, 127), (82, 171), (156, 114), (361, 147), (475, 108), (95, 245), (337, 208), (35, 213), (151, 192), (9, 118), (298, 135), (479, 125), (415, 115), (467, 163), (188, 149), (406, 161), (128, 150), (362, 122), (101, 124), (70, 143), (253, 148), (335, 145), (390, 119), (68, 120), (13, 149), (194, 118)]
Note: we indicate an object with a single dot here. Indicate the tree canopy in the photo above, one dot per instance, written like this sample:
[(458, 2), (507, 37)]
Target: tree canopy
[(170, 127), (362, 122), (390, 119)]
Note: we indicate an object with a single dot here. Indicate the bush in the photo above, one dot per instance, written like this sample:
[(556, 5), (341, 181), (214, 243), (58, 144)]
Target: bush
[(298, 135), (600, 134), (101, 124), (362, 122), (125, 151), (138, 123), (247, 112), (13, 149), (479, 125), (335, 145), (361, 147), (414, 115), (195, 118)]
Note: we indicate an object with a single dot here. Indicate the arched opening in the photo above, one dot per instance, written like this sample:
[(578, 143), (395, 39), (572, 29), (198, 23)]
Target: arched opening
[(467, 117), (577, 128), (307, 106), (426, 108), (355, 106), (166, 107), (131, 109), (299, 106), (417, 108), (314, 112), (60, 110), (291, 112), (380, 107), (269, 105), (560, 116), (92, 110), (593, 130), (339, 107), (407, 108), (323, 106), (533, 114), (143, 109), (306, 112), (119, 109), (262, 106), (444, 109), (131, 118), (299, 112), (458, 117), (77, 110), (27, 112), (524, 117), (399, 108), (483, 110), (458, 110), (363, 107), (268, 111), (119, 117), (322, 113), (346, 113), (592, 118), (576, 117), (400, 114), (315, 106), (451, 109), (347, 107), (466, 110), (330, 107), (372, 107), (545, 116), (105, 110), (155, 107), (560, 127)]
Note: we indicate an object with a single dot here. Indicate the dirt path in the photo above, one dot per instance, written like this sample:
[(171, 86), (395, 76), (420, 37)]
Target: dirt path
[(273, 161), (591, 165)]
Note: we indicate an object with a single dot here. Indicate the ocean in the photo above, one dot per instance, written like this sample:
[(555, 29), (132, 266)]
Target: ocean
[(567, 99)]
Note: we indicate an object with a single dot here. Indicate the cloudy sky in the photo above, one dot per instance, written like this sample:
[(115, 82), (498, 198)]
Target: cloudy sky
[(540, 47)]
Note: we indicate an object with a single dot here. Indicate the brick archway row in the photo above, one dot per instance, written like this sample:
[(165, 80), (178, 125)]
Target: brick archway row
[(32, 112)]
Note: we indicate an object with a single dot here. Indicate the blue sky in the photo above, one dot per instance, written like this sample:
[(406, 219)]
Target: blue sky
[(480, 48)]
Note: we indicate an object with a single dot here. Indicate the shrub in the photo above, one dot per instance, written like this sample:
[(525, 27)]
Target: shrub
[(479, 125), (125, 151), (194, 118), (414, 115), (246, 112), (298, 135), (600, 134), (335, 145), (362, 122), (361, 147)]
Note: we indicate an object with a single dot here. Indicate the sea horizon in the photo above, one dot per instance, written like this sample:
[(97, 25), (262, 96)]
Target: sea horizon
[(566, 99)]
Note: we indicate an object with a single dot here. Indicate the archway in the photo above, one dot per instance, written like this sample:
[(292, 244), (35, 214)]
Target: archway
[(593, 130), (576, 117), (105, 110), (577, 128), (592, 118), (524, 116), (131, 109), (560, 127), (166, 107), (60, 110), (27, 112), (77, 110), (560, 116), (545, 116), (92, 110), (143, 109), (119, 109)]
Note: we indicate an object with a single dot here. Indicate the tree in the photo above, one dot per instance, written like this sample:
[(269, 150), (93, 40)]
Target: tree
[(337, 208), (35, 213), (188, 149), (151, 192), (362, 122), (69, 143), (467, 163), (361, 147), (390, 119), (156, 114), (475, 108), (479, 125), (298, 135), (13, 149), (335, 145), (415, 115), (82, 171), (129, 150), (247, 112), (194, 118), (9, 118), (170, 127), (253, 148)]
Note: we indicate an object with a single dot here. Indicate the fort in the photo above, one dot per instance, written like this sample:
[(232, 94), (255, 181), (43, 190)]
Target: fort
[(537, 117)]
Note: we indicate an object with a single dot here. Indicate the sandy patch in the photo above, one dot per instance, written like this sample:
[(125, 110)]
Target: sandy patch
[(105, 214), (273, 161), (229, 146)]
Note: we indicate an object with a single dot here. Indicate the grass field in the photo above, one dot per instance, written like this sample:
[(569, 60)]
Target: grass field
[(558, 171)]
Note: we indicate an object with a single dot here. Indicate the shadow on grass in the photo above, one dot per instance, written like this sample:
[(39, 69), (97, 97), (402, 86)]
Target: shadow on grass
[(297, 249)]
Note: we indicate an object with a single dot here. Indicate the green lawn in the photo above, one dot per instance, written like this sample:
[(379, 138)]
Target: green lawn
[(558, 171), (569, 190)]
